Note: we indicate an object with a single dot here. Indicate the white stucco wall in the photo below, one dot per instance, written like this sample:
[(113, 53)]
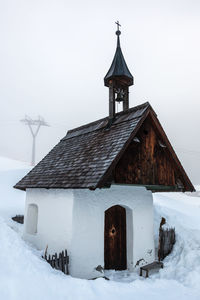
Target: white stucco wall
[(54, 226), (88, 227), (74, 220)]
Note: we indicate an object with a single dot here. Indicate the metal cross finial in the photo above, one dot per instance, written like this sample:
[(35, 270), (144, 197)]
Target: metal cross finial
[(117, 25)]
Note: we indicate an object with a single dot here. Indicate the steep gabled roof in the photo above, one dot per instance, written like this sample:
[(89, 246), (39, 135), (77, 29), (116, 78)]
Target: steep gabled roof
[(86, 156), (83, 156)]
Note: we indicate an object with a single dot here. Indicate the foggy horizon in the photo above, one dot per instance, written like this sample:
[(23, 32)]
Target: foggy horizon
[(55, 54)]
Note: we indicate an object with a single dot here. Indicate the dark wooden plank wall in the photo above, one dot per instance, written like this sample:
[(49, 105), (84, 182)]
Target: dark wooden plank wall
[(148, 162)]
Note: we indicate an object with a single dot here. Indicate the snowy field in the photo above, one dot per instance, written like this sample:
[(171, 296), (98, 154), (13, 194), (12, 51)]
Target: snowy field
[(24, 275)]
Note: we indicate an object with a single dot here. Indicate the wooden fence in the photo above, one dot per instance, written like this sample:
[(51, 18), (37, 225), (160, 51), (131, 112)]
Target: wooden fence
[(18, 219), (58, 261), (166, 242)]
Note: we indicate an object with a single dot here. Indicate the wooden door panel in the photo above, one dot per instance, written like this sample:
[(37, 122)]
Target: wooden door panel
[(115, 238)]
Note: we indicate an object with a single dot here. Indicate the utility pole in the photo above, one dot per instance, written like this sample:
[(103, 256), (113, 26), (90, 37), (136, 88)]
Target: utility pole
[(31, 123)]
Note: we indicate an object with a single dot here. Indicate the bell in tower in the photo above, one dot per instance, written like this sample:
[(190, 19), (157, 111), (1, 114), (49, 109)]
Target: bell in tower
[(118, 79)]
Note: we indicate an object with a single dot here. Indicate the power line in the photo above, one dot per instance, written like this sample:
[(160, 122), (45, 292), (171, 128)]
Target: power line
[(31, 123)]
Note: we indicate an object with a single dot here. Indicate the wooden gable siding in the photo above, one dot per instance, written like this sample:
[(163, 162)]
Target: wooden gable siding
[(148, 162)]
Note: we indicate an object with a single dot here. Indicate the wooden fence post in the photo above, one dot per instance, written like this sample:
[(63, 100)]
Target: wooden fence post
[(58, 261)]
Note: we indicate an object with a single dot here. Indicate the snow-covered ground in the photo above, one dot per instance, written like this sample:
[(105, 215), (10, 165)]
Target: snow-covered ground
[(24, 275)]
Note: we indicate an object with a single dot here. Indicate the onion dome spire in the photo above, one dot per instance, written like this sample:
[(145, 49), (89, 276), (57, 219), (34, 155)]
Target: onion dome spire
[(118, 79), (118, 69)]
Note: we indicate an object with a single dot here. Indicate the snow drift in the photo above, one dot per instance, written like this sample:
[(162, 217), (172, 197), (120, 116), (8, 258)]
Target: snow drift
[(24, 275)]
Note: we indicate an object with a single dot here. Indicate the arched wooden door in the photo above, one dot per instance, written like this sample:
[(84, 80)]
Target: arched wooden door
[(115, 238)]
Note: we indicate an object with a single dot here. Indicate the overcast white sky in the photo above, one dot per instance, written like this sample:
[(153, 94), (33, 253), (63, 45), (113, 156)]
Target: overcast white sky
[(54, 55)]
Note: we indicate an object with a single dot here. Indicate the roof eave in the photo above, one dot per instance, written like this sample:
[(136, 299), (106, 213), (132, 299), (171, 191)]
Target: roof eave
[(123, 78)]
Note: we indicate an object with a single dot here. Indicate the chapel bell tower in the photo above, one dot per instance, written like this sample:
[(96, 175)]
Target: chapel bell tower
[(118, 79)]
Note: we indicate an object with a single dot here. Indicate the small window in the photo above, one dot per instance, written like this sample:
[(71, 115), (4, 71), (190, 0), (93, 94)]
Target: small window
[(179, 184), (145, 131), (161, 144), (135, 139), (32, 219)]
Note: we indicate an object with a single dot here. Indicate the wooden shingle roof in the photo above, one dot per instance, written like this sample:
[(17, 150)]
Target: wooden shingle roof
[(83, 156), (87, 155)]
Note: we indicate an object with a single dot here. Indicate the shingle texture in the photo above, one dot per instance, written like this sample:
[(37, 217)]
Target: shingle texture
[(83, 156)]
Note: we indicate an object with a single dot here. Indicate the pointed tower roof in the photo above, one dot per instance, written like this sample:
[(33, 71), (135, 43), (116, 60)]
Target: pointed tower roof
[(118, 68)]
